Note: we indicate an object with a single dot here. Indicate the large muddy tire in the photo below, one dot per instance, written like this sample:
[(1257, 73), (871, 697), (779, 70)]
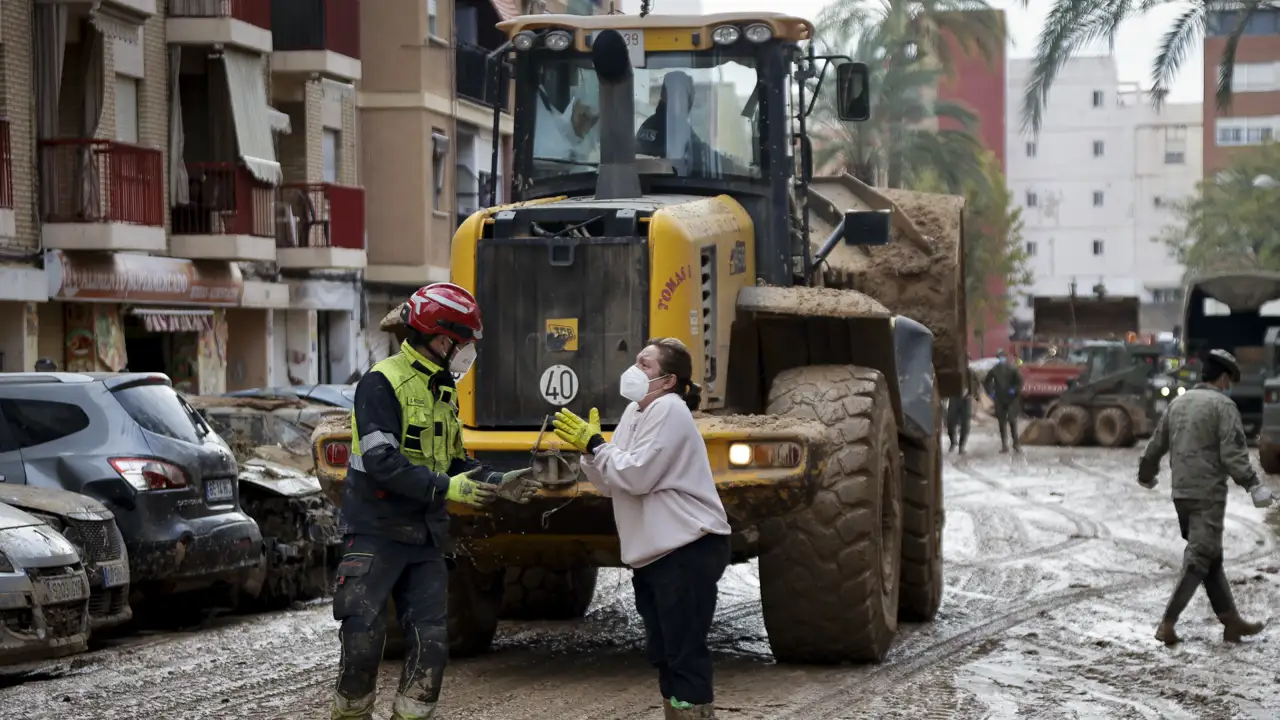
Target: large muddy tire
[(922, 521), (475, 598), (1269, 457), (829, 578), (1070, 425), (1113, 428), (536, 593)]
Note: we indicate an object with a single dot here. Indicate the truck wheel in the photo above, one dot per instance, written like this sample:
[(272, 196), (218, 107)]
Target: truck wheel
[(1070, 425), (536, 593), (922, 521), (475, 598), (1113, 428), (1269, 457), (829, 581)]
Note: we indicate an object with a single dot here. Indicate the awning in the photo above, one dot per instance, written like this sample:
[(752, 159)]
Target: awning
[(116, 25), (252, 115), (166, 320), (123, 277), (506, 9), (280, 122)]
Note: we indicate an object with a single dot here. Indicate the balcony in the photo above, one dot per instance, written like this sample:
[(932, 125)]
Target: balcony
[(475, 77), (7, 227), (101, 195), (231, 215), (244, 24), (322, 227), (316, 36)]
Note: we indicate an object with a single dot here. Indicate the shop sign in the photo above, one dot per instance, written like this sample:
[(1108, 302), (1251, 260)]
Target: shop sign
[(132, 278)]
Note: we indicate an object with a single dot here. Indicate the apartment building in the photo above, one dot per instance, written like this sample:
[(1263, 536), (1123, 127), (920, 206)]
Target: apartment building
[(180, 188), (1097, 186), (1254, 114)]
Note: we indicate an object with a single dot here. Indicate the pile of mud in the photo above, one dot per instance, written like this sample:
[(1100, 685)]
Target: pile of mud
[(265, 404)]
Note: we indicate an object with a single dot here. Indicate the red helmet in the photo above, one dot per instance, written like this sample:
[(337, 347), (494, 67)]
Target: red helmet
[(443, 309)]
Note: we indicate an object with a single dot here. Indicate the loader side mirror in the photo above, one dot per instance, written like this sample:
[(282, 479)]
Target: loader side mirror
[(853, 91), (867, 227)]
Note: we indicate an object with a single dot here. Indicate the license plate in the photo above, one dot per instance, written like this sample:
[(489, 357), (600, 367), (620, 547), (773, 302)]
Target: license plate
[(219, 490), (67, 589), (113, 575), (635, 45)]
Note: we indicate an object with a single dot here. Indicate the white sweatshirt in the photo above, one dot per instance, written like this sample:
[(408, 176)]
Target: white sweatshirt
[(657, 473)]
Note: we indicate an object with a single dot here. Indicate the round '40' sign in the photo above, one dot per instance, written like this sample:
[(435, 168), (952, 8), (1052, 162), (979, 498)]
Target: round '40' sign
[(559, 385)]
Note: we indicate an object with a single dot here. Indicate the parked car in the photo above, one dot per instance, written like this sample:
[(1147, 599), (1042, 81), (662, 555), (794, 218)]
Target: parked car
[(91, 528), (129, 441), (44, 593), (340, 396)]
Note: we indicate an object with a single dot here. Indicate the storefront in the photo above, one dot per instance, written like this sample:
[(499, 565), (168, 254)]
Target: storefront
[(124, 311)]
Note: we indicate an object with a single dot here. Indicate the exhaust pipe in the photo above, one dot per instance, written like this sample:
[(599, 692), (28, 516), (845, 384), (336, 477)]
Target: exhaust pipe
[(618, 177)]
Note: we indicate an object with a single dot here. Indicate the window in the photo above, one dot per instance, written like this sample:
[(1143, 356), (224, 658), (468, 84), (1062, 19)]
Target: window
[(485, 180), (1098, 148), (1031, 248), (1097, 98), (431, 19), (1175, 145), (1166, 295), (1257, 135), (1031, 149), (1174, 158), (1097, 198), (1255, 77), (1245, 130), (1157, 201), (126, 109), (1097, 247), (439, 149), (1032, 200), (158, 409), (35, 422), (1031, 301), (331, 142)]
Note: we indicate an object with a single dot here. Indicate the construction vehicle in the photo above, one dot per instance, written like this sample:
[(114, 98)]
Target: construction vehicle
[(821, 363), (1063, 319)]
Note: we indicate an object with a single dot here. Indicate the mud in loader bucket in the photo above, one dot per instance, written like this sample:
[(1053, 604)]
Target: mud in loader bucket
[(1038, 432)]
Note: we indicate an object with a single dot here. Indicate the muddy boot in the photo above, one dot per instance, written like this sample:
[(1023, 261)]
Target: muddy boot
[(668, 712), (686, 711), (1182, 594), (343, 709), (1166, 634), (408, 709), (1235, 627), (962, 449)]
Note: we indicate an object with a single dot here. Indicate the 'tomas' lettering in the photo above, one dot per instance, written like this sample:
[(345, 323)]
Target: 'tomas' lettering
[(673, 283)]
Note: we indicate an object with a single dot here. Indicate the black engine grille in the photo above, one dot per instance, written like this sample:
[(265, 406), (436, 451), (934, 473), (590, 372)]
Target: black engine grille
[(525, 285), (65, 620), (98, 540)]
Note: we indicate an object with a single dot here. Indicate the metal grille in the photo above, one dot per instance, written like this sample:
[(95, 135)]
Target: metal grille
[(107, 602), (65, 620), (98, 539)]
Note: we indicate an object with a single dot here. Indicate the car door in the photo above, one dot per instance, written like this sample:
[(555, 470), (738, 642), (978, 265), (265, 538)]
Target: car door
[(11, 468), (36, 424)]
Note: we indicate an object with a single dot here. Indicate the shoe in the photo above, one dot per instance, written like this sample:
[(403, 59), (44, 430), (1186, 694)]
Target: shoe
[(961, 449), (406, 708), (668, 712), (1004, 448), (685, 711), (340, 708), (1234, 627), (1166, 634)]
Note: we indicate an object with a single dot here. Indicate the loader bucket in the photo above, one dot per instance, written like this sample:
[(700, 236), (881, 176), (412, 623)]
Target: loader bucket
[(1038, 432)]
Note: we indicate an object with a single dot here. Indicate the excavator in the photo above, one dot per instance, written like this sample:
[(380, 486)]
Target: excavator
[(662, 185)]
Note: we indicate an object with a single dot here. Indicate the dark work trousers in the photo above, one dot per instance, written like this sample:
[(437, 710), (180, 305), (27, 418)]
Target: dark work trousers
[(1007, 412), (676, 598), (374, 570), (1201, 524), (959, 411)]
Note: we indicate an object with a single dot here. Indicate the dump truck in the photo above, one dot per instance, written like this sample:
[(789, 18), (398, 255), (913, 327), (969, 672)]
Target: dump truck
[(826, 318)]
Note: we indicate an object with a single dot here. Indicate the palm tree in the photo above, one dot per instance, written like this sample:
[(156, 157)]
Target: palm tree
[(924, 22), (1073, 25)]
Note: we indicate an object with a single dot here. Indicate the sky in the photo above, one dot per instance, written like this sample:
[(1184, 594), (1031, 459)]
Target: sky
[(1136, 46)]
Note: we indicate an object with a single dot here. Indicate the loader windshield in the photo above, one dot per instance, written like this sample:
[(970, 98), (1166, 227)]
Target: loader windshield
[(697, 115)]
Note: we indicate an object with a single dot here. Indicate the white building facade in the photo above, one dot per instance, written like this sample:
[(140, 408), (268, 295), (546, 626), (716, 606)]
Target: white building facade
[(1098, 184)]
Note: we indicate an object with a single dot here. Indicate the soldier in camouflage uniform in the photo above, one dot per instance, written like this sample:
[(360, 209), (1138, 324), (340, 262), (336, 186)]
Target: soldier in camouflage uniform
[(1204, 437), (960, 410), (1004, 387)]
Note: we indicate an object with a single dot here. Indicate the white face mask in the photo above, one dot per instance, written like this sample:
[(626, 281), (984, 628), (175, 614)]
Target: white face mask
[(463, 358), (634, 384)]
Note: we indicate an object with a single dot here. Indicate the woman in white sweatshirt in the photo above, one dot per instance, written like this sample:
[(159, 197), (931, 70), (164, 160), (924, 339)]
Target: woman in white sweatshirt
[(671, 524)]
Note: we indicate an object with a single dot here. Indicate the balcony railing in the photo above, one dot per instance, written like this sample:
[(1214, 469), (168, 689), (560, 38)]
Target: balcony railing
[(225, 199), (91, 181), (475, 80), (322, 215), (254, 12), (6, 167), (316, 25)]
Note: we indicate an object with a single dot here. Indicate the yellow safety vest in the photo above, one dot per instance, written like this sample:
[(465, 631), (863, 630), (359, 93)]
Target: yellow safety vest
[(430, 432)]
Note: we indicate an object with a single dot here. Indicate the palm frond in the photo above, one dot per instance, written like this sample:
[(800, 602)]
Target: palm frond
[(1186, 29), (1227, 64)]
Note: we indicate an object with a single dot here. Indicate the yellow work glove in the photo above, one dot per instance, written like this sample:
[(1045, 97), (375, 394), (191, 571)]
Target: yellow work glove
[(465, 489), (574, 430)]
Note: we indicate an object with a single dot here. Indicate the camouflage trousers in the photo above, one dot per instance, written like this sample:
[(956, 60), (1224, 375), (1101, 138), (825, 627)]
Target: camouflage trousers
[(1201, 525)]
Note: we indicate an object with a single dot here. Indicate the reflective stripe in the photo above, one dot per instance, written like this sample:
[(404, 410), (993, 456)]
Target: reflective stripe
[(377, 438), (355, 462), (447, 302)]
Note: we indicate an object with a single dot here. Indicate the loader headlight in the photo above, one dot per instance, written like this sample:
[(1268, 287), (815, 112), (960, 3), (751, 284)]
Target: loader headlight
[(759, 33), (1164, 391), (523, 40), (557, 40), (725, 35), (740, 454), (1182, 390), (765, 455)]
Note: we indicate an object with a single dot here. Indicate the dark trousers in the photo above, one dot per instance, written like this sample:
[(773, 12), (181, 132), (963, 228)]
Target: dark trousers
[(373, 571), (1007, 418), (1201, 523), (676, 598), (959, 412)]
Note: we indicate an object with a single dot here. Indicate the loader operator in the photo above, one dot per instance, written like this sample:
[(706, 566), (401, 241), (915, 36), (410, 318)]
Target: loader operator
[(406, 460), (668, 132), (1004, 386), (1204, 436), (960, 410)]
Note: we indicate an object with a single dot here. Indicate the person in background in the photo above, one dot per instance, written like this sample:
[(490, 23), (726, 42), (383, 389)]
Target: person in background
[(960, 409), (1204, 436), (1004, 387), (568, 137), (672, 527), (46, 365)]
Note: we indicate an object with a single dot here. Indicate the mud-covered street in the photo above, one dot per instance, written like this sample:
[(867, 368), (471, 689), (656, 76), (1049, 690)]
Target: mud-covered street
[(1058, 567)]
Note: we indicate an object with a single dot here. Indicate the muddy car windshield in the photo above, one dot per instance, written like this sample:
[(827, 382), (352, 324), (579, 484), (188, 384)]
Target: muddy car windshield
[(696, 115)]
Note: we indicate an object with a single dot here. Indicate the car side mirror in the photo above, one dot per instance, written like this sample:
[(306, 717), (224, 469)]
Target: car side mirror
[(853, 91), (867, 227)]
